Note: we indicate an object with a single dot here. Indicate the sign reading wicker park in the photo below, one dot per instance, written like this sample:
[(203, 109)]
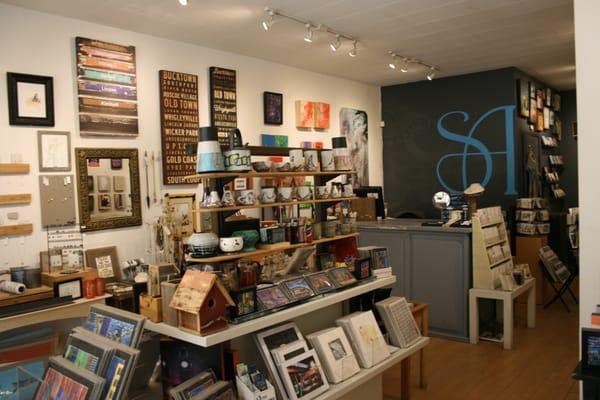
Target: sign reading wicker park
[(179, 125)]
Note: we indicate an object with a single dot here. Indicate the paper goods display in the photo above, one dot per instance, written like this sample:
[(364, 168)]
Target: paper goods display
[(399, 321), (365, 337), (115, 324), (303, 376), (68, 381), (194, 386), (335, 353)]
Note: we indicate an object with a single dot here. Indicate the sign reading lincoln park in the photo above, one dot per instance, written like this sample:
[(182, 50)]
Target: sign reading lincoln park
[(179, 125)]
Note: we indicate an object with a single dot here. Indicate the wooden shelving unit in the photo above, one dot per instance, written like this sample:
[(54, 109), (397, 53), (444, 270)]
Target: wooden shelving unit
[(485, 272), (13, 168), (259, 252), (12, 230), (254, 174), (276, 204), (9, 199)]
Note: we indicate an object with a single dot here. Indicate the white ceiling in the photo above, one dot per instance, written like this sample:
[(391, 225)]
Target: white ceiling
[(461, 36)]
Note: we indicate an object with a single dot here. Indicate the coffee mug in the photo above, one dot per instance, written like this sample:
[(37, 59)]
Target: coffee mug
[(228, 199), (284, 193), (296, 160), (322, 192), (311, 159), (303, 192), (267, 195), (348, 190), (327, 163), (245, 197), (213, 199), (335, 191)]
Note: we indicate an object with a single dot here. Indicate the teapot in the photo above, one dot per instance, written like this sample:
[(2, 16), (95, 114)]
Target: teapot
[(237, 158)]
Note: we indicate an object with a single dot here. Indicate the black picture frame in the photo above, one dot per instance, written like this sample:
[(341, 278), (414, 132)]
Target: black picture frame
[(59, 285), (12, 83), (590, 337), (272, 108)]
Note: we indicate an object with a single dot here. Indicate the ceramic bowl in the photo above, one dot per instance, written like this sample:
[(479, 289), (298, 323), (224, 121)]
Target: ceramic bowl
[(250, 238), (285, 167), (262, 166), (231, 244), (203, 244)]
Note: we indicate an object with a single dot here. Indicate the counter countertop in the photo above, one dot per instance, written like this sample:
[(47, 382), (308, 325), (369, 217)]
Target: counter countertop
[(409, 224)]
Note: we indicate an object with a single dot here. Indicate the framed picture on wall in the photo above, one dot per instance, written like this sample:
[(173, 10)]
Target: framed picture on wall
[(539, 98), (54, 151), (30, 99), (523, 91), (273, 108), (532, 89), (533, 111)]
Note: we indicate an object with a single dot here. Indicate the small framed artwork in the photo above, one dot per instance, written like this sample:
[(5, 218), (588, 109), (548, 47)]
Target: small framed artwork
[(54, 151), (103, 183), (240, 184), (119, 183), (342, 277), (539, 98), (539, 123), (71, 288), (105, 260), (546, 118), (297, 289), (273, 108), (104, 202), (245, 302), (119, 201), (93, 163), (271, 297), (532, 89), (30, 99), (556, 102), (523, 98), (181, 212), (116, 163), (533, 111), (548, 97), (320, 282), (303, 376)]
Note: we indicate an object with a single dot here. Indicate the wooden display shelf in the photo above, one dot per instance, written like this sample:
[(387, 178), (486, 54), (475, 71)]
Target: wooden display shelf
[(254, 325), (234, 256), (494, 243), (254, 174), (39, 293), (11, 230), (22, 198), (500, 262), (492, 224), (14, 168), (277, 204)]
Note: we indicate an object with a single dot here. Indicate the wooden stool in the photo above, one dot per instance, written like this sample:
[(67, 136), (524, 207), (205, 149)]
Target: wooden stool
[(507, 298)]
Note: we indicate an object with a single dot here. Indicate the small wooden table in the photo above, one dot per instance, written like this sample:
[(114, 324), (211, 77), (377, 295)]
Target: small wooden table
[(420, 311), (508, 300)]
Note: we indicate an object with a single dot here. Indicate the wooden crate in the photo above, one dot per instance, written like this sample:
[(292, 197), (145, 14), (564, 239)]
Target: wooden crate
[(169, 315), (151, 307)]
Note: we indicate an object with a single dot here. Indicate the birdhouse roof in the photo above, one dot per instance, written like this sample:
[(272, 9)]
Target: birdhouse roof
[(194, 289)]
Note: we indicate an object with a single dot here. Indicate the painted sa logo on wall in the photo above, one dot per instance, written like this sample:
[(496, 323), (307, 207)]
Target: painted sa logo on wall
[(473, 147)]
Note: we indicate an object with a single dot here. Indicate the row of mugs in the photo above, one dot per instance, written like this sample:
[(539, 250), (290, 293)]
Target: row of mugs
[(308, 160), (271, 194)]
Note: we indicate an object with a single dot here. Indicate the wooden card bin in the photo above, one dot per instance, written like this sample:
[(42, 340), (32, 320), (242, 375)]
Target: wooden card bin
[(49, 279), (151, 307), (169, 314)]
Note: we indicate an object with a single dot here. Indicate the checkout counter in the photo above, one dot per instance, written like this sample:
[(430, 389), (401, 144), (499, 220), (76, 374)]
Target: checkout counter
[(432, 264)]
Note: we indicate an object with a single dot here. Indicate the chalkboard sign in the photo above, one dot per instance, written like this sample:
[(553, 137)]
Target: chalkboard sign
[(179, 125), (223, 97)]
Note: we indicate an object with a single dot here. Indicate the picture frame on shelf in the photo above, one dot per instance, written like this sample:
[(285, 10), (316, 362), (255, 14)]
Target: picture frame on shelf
[(297, 289), (321, 282), (289, 351), (105, 260), (272, 108), (86, 351), (71, 287), (245, 302), (335, 353), (271, 297), (118, 325), (30, 99), (54, 151), (62, 376), (304, 377), (342, 277)]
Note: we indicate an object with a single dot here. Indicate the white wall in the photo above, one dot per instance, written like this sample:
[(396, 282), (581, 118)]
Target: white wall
[(43, 44), (587, 32)]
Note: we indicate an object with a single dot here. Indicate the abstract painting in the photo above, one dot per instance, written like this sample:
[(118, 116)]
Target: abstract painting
[(354, 126), (305, 114), (322, 115), (273, 108)]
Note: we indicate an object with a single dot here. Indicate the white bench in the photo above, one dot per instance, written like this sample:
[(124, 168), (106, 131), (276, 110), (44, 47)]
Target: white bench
[(508, 300)]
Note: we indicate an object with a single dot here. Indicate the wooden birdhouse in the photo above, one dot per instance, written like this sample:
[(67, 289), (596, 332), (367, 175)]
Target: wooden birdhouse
[(201, 302)]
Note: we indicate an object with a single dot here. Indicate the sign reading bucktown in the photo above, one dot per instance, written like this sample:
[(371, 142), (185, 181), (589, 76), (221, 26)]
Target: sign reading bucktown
[(179, 125)]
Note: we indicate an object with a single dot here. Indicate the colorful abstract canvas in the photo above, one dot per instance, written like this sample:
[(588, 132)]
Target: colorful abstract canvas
[(305, 114), (322, 115), (273, 140)]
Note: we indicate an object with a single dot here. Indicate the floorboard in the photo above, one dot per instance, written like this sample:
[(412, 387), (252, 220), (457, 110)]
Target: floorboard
[(538, 368)]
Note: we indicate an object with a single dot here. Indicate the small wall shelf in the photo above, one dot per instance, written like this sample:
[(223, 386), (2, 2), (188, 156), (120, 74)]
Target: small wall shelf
[(12, 230), (254, 174), (8, 199), (277, 204), (14, 168)]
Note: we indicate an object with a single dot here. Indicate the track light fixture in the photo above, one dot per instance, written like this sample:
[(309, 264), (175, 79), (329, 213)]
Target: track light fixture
[(431, 73), (183, 2), (392, 64), (309, 33), (268, 22), (334, 46), (353, 52), (404, 67)]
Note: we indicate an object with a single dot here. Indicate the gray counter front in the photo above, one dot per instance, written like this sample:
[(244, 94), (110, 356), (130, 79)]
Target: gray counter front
[(432, 264)]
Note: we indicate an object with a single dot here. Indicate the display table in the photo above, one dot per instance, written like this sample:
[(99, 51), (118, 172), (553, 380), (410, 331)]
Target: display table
[(77, 309), (527, 252), (508, 300), (433, 264)]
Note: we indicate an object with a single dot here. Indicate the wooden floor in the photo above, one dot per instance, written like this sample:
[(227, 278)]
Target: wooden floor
[(538, 368)]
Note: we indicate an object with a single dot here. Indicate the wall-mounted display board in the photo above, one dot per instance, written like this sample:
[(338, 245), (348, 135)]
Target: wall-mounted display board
[(107, 88), (223, 102), (179, 124), (57, 197)]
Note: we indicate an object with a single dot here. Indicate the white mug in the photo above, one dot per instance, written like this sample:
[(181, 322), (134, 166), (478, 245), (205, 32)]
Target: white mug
[(335, 192), (348, 190), (245, 197), (267, 195), (228, 199), (213, 199), (296, 160), (284, 193), (303, 192), (322, 192), (311, 158), (327, 163)]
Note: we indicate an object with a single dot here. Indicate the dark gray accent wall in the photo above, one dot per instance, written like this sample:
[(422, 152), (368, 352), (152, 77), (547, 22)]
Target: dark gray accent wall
[(568, 148)]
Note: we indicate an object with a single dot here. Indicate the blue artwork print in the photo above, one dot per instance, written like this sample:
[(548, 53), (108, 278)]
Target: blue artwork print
[(473, 147)]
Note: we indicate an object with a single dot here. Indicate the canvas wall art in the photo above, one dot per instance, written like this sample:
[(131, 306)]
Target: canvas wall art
[(305, 114), (107, 88), (322, 115), (273, 108), (354, 126)]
